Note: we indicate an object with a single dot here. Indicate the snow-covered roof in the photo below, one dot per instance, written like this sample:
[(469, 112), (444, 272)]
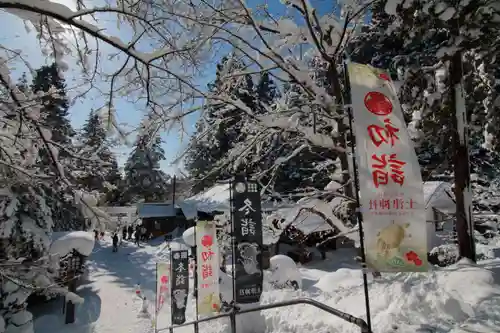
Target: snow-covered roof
[(216, 198), (145, 210), (64, 243), (437, 194), (310, 219), (115, 214), (178, 244)]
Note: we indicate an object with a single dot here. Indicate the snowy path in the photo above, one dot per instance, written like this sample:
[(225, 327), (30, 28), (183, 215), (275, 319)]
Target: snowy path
[(457, 299), (110, 302)]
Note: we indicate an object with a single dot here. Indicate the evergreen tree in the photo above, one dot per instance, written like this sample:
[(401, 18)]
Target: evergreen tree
[(52, 95), (143, 177), (410, 45), (219, 130), (224, 139), (99, 168), (266, 90), (25, 228), (305, 167), (55, 112)]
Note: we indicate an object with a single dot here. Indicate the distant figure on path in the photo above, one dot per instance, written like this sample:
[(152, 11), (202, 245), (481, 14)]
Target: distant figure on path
[(115, 242), (124, 233), (96, 234), (137, 236), (130, 232), (144, 233)]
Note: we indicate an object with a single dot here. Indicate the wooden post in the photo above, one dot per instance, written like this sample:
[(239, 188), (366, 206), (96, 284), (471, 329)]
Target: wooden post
[(70, 306), (461, 165)]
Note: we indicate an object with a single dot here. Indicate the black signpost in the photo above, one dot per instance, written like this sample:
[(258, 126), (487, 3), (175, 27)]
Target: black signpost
[(247, 228), (180, 286)]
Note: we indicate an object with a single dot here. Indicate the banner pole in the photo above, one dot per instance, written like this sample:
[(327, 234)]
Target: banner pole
[(171, 330), (232, 317), (156, 300), (195, 274), (356, 191)]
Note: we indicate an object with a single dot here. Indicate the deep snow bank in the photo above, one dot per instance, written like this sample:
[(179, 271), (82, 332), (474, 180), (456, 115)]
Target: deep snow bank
[(460, 298)]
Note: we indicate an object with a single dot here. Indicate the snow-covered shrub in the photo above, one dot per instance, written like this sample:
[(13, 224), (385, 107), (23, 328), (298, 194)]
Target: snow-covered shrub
[(444, 255), (284, 273)]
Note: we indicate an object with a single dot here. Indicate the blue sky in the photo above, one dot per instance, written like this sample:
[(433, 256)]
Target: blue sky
[(16, 37)]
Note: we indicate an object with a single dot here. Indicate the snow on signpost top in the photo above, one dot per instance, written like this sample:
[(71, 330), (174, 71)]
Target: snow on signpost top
[(81, 241)]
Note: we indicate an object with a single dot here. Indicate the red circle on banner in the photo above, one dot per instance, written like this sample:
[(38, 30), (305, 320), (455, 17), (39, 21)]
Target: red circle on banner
[(164, 279), (207, 240), (378, 103), (384, 76)]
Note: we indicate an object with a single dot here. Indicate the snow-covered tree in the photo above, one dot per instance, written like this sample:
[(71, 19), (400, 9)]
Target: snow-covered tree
[(48, 81), (21, 203), (98, 167), (219, 128), (143, 176), (171, 43), (439, 50), (25, 216)]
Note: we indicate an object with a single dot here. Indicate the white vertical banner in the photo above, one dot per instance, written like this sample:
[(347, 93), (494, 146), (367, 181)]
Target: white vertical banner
[(162, 284), (390, 183), (207, 269)]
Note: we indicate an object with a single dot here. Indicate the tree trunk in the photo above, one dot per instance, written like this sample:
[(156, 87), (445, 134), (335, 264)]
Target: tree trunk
[(461, 168), (335, 90)]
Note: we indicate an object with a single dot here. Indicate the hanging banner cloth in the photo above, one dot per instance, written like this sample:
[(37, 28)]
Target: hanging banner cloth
[(390, 183), (207, 260)]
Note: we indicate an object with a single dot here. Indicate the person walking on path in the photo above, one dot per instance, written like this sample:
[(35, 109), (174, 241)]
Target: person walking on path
[(115, 242), (137, 236), (124, 233)]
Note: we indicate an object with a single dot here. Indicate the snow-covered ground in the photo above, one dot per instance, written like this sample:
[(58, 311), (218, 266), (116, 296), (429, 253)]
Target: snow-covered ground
[(457, 299)]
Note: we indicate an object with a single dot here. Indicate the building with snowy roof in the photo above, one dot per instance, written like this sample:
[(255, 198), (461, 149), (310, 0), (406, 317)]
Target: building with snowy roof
[(162, 218), (312, 215)]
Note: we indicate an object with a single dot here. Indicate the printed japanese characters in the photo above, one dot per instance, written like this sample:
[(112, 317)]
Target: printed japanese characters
[(163, 283), (207, 251), (247, 220), (180, 286), (392, 200)]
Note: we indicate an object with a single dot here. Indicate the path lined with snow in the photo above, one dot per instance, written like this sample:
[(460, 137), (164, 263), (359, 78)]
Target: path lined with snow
[(458, 299), (111, 305)]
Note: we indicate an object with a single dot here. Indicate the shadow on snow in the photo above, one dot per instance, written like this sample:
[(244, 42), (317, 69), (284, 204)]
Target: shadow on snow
[(50, 317)]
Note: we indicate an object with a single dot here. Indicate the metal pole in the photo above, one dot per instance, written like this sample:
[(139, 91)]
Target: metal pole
[(173, 191), (156, 299), (358, 206), (337, 313), (232, 316), (173, 204), (195, 276), (171, 273)]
